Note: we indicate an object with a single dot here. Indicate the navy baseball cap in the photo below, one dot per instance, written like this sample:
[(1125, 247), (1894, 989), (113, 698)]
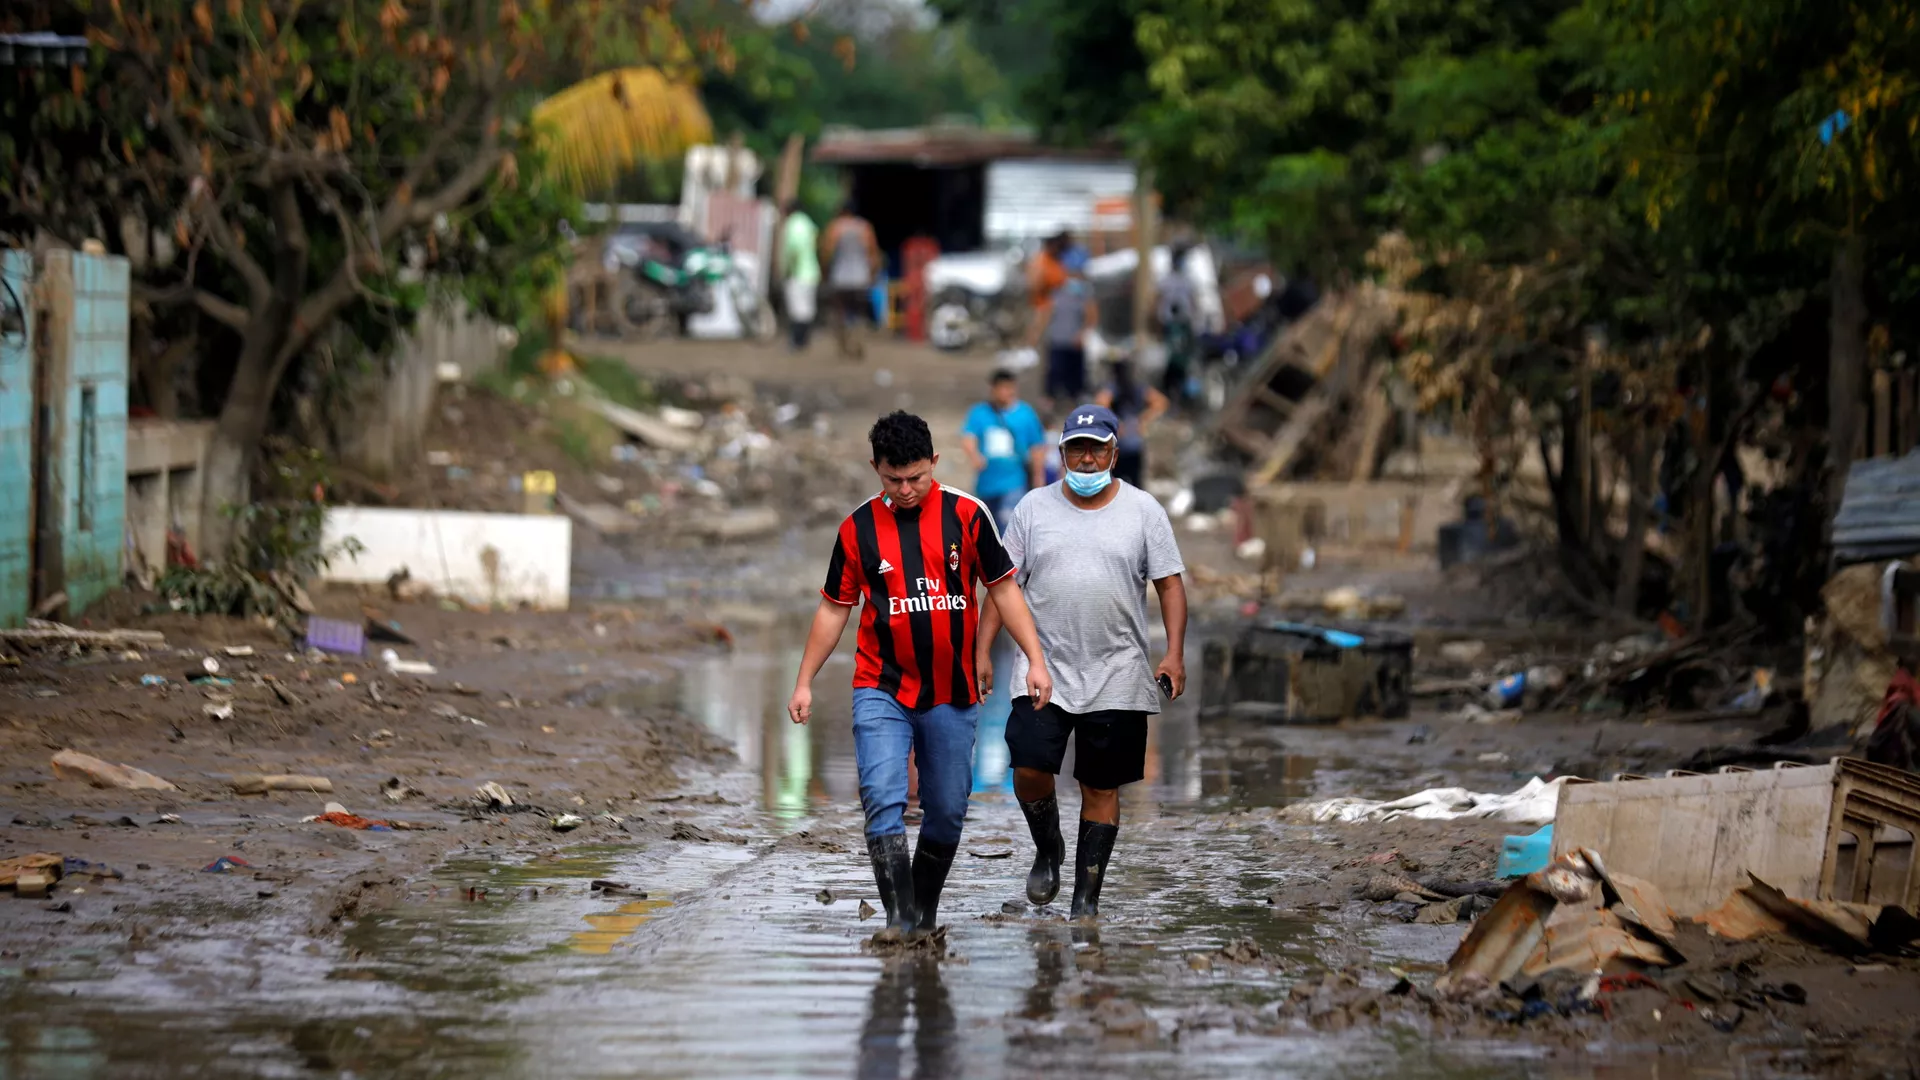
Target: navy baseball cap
[(1091, 422)]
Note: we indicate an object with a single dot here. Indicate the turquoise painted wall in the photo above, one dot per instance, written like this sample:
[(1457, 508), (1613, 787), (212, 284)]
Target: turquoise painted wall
[(93, 461), (16, 448), (87, 300)]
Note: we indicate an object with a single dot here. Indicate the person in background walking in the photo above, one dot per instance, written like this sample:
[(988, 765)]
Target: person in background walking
[(1086, 548), (1176, 311), (1137, 406), (851, 253), (1069, 315), (917, 553), (800, 269), (1007, 445)]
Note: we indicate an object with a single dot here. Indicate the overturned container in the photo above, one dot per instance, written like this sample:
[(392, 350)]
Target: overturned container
[(1304, 673)]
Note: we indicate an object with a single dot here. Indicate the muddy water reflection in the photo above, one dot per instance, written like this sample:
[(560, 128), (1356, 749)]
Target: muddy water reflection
[(741, 696)]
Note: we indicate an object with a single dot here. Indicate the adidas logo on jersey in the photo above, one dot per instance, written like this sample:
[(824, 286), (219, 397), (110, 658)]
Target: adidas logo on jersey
[(886, 567)]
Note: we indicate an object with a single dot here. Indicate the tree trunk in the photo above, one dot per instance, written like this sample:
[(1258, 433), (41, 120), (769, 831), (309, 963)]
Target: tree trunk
[(1633, 547), (227, 473), (1846, 361)]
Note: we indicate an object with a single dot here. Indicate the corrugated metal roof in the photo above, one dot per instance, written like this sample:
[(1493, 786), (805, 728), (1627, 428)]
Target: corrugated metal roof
[(1028, 200), (941, 145), (1879, 515)]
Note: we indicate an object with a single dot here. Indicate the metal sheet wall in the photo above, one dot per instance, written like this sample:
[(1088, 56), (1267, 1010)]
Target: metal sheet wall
[(1029, 200)]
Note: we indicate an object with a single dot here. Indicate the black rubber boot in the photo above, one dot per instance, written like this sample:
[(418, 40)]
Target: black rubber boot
[(893, 873), (931, 861), (1050, 848), (1090, 867)]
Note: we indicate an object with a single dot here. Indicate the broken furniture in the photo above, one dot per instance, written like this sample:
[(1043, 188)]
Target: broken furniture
[(1700, 837), (1298, 673), (1869, 800)]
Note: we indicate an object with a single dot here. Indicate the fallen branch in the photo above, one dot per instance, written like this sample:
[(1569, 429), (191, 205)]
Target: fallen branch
[(85, 637)]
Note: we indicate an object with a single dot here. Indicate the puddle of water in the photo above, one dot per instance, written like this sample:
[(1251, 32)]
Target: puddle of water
[(803, 770), (730, 966)]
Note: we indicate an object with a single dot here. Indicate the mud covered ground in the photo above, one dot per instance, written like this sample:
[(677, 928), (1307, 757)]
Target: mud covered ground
[(730, 942)]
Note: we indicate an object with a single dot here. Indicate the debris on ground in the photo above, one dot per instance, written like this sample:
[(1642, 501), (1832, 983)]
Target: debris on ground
[(40, 632), (102, 774), (226, 864), (352, 821), (892, 943), (825, 896), (397, 666), (32, 867), (335, 636), (253, 784), (1760, 910), (567, 822), (492, 797), (866, 911), (398, 790), (1533, 804), (604, 886)]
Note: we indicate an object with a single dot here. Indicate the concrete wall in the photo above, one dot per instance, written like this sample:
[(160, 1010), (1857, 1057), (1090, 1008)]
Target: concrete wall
[(505, 560), (163, 488), (16, 446), (384, 430)]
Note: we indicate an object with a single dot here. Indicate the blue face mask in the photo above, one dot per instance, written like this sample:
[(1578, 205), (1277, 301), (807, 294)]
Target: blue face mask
[(1088, 484)]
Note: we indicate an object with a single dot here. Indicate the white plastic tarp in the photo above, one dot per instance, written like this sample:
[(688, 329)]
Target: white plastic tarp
[(1533, 804)]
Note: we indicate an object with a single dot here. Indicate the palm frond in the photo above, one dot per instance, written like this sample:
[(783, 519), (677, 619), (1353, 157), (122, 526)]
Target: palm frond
[(598, 129)]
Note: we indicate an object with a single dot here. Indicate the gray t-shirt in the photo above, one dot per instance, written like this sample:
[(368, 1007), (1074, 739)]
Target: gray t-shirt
[(1085, 575)]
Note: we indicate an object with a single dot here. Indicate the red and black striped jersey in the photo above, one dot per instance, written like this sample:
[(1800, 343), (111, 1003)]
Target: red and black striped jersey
[(917, 570)]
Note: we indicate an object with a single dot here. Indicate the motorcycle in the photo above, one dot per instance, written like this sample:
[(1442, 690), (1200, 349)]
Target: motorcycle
[(676, 277), (976, 295)]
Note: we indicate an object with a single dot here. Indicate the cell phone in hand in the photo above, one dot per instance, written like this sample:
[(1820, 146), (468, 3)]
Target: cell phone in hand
[(1166, 684)]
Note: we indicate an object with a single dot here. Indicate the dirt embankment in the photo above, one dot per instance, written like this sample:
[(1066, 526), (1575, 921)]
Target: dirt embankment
[(511, 703)]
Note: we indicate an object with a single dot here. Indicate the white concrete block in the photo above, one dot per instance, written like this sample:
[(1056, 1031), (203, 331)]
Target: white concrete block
[(490, 559)]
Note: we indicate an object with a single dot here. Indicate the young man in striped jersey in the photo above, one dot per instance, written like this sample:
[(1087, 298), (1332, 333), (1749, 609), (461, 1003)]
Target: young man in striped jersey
[(915, 553)]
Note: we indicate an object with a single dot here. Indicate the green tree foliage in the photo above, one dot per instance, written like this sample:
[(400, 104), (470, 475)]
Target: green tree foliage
[(308, 164)]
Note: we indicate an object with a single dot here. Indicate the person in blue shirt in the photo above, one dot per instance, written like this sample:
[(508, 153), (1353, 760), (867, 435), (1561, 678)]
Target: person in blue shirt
[(1007, 444)]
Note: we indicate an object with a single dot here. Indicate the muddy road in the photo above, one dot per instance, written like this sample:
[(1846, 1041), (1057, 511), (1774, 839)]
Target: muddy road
[(705, 920)]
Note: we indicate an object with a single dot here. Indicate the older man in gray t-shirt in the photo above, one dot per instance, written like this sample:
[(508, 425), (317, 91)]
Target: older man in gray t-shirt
[(1085, 549)]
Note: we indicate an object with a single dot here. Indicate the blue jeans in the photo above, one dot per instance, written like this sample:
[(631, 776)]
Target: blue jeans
[(884, 732)]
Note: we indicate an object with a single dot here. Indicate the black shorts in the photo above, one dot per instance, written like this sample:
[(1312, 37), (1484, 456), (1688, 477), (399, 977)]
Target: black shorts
[(1110, 746)]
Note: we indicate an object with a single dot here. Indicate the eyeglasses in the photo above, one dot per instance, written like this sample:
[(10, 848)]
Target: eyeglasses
[(1085, 450)]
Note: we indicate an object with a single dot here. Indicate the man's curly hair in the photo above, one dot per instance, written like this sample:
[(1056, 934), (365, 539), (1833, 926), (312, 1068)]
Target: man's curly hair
[(900, 439)]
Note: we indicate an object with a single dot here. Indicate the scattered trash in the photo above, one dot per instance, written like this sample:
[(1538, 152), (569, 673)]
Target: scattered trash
[(247, 784), (825, 896), (336, 636), (210, 666), (238, 650), (168, 819), (72, 867), (603, 885), (567, 822), (218, 712), (1522, 855), (1252, 549), (1420, 734), (353, 821), (225, 864), (34, 866), (991, 853), (103, 774), (398, 790), (866, 911), (397, 666), (54, 633), (1507, 692), (491, 796), (380, 628), (1533, 804), (153, 680), (1464, 653)]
